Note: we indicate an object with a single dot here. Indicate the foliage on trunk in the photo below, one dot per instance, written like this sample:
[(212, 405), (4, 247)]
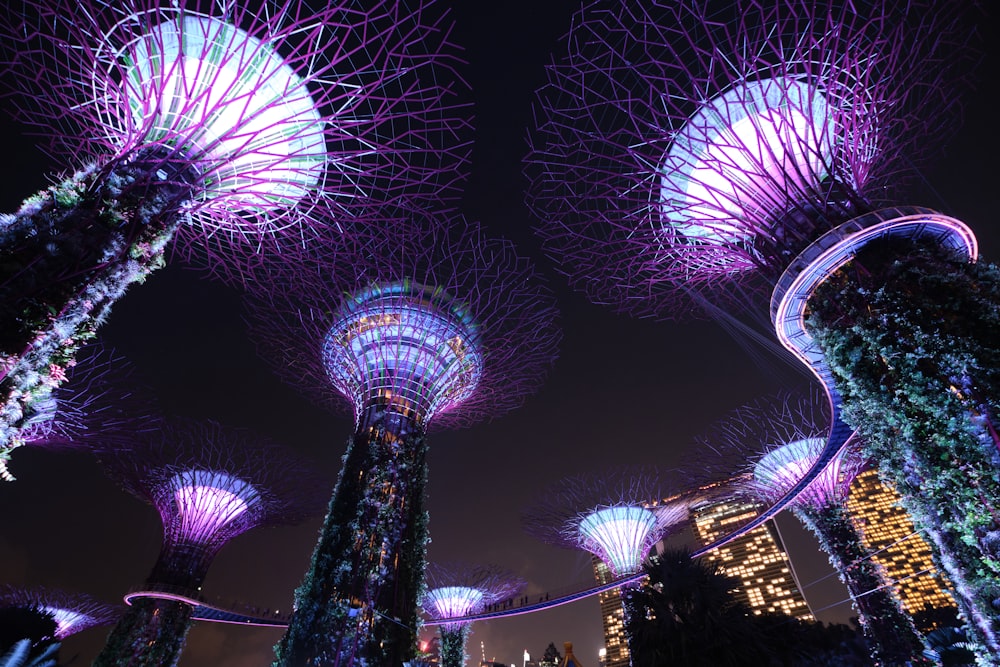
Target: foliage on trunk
[(911, 336), (150, 634), (359, 599), (66, 256)]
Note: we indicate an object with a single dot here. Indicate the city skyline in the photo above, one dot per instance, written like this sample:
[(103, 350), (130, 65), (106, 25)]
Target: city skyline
[(623, 391)]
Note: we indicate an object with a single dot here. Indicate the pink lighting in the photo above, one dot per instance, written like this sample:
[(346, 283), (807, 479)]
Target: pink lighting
[(209, 502), (229, 103), (455, 601), (780, 469), (738, 156)]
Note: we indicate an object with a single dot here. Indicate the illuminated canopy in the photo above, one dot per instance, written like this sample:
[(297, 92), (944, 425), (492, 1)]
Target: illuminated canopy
[(779, 470), (739, 155), (230, 105), (407, 343), (455, 601), (620, 536), (208, 503)]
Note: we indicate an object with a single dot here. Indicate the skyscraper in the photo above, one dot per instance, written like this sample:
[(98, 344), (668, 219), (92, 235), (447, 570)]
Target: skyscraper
[(612, 618), (757, 559), (902, 552)]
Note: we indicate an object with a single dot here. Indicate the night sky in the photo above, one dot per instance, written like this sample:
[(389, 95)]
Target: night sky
[(623, 391)]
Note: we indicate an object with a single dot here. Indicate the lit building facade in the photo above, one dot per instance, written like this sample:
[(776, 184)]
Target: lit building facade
[(613, 619), (757, 559), (902, 552)]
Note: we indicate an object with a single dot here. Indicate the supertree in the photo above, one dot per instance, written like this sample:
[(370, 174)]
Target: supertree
[(209, 483), (687, 161), (69, 613), (102, 404), (217, 124), (455, 590), (783, 436), (612, 516), (433, 324)]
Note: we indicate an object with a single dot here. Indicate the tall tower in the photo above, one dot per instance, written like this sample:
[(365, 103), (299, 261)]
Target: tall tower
[(900, 549), (688, 157), (219, 125), (616, 653), (757, 558), (610, 516), (209, 483), (432, 324)]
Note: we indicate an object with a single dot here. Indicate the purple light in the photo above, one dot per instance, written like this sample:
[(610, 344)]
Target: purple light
[(72, 612), (616, 515), (684, 153), (620, 536), (780, 469), (252, 100), (404, 342), (455, 601), (223, 98), (211, 482), (209, 502), (731, 164), (430, 314), (456, 590)]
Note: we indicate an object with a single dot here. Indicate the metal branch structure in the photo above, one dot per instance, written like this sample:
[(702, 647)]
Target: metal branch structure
[(455, 590), (102, 404), (683, 153), (617, 515), (209, 483), (686, 159), (71, 612), (781, 438), (220, 125), (434, 324)]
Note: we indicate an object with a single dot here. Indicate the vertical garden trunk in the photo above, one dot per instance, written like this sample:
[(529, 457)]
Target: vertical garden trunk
[(910, 333), (65, 257), (358, 602)]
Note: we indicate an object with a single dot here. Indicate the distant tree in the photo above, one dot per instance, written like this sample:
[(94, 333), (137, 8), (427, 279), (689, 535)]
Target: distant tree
[(689, 617), (551, 657)]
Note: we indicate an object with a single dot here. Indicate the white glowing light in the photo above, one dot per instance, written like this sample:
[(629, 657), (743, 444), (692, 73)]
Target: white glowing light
[(397, 342), (741, 154), (782, 468), (455, 601), (231, 106), (66, 620), (619, 536), (208, 502)]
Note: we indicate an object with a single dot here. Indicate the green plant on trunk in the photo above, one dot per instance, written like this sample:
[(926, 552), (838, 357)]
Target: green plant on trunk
[(910, 334)]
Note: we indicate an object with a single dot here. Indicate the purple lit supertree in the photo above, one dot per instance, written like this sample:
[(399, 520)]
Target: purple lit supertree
[(209, 483), (220, 125), (784, 436), (687, 161), (433, 324), (615, 515), (101, 405), (455, 590), (70, 612)]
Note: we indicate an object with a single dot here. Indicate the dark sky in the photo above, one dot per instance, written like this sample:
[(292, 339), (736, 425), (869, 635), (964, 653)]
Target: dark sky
[(623, 391)]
